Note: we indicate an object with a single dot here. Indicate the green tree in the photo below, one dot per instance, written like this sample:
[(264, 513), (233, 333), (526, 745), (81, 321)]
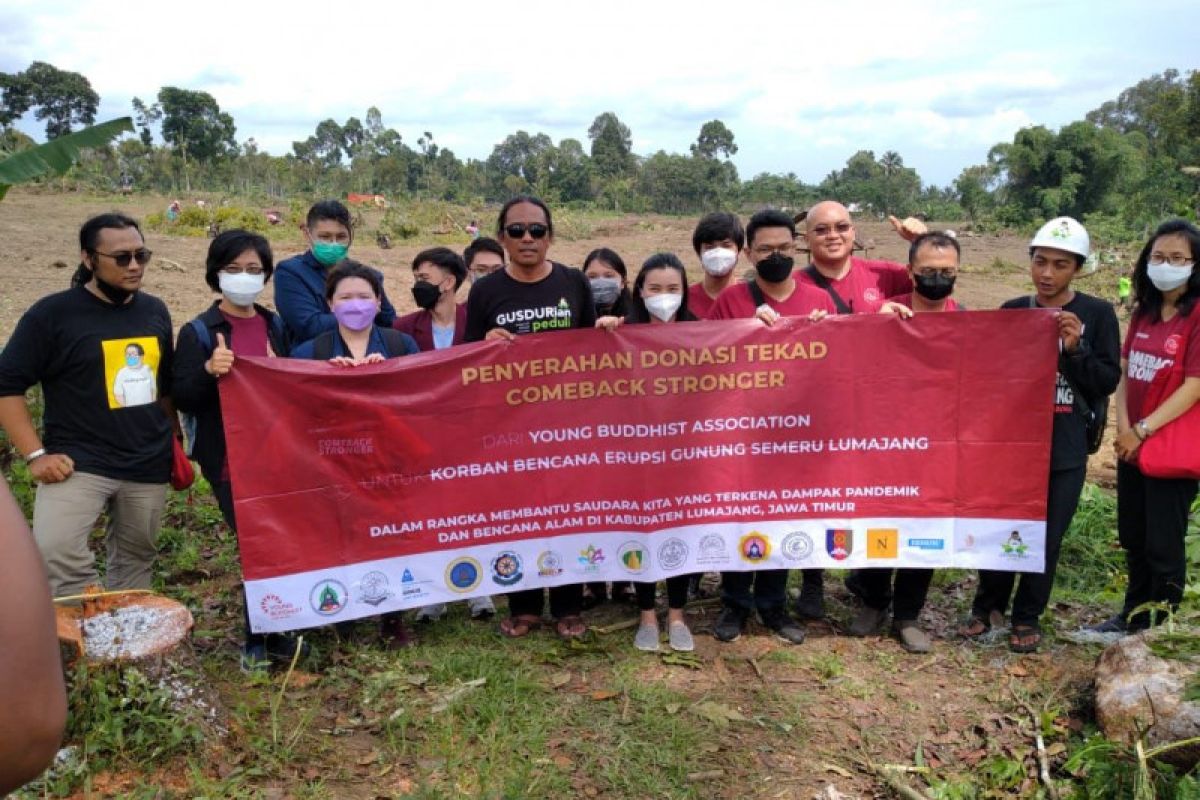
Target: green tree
[(194, 124), (59, 98), (612, 147), (145, 116), (972, 189), (714, 139)]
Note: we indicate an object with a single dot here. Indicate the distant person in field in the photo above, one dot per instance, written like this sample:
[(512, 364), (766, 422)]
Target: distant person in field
[(933, 261), (1089, 367), (659, 296), (1164, 335), (717, 240), (238, 266), (532, 294), (97, 453), (775, 292), (440, 322), (483, 257), (856, 286), (32, 693), (300, 280), (473, 229)]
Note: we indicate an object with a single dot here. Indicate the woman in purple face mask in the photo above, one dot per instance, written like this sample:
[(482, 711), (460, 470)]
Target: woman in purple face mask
[(353, 292)]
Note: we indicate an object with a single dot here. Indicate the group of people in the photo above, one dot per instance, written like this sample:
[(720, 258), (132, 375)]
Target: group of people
[(114, 375)]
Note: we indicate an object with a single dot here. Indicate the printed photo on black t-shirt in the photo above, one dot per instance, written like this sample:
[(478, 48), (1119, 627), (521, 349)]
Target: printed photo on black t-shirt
[(131, 371)]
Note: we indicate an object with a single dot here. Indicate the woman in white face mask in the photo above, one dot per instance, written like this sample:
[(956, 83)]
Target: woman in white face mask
[(238, 266), (1157, 423), (660, 295)]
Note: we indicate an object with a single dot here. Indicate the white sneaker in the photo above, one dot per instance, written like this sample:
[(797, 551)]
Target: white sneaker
[(481, 607), (431, 613)]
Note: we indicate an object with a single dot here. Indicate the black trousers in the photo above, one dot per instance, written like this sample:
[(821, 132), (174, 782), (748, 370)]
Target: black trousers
[(764, 590), (1033, 588), (223, 491), (565, 601), (1152, 517), (907, 598), (677, 590)]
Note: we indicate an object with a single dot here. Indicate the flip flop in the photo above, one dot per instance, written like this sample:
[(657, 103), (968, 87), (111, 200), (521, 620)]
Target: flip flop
[(975, 627), (1020, 633), (516, 627), (570, 627)]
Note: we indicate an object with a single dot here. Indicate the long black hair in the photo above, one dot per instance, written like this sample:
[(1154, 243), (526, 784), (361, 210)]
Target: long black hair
[(637, 306), (1148, 298), (89, 235)]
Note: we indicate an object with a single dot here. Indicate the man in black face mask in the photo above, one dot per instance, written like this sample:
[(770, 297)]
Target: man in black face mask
[(98, 450), (440, 321), (770, 247), (933, 266)]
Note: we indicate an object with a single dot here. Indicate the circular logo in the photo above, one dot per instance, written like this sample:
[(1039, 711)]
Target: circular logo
[(754, 547), (374, 586), (1171, 345), (796, 546), (506, 568), (549, 564), (328, 597), (871, 295), (632, 556), (673, 553), (463, 574)]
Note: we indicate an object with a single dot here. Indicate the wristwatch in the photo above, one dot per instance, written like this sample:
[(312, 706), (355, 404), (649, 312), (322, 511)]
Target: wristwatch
[(1143, 428)]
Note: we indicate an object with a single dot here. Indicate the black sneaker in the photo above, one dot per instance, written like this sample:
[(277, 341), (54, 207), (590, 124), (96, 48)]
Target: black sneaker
[(854, 585), (730, 624), (811, 603), (1114, 624), (254, 659), (785, 627)]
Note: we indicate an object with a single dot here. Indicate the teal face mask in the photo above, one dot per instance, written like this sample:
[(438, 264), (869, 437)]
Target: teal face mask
[(329, 253)]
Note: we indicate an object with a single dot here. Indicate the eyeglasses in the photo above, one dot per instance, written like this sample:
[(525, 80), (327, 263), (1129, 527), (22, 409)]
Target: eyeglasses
[(783, 250), (234, 269), (1157, 260), (518, 230), (122, 259), (823, 230)]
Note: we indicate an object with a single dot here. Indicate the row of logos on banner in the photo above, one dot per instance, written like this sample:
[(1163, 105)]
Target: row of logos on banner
[(467, 574)]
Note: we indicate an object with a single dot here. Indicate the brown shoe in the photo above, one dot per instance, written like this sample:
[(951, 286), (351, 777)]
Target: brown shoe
[(911, 637)]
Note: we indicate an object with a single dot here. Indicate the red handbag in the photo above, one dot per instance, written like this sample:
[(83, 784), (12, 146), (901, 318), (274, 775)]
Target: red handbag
[(182, 472), (1173, 451)]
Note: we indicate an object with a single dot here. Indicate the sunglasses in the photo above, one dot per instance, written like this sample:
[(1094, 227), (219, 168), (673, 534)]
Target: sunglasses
[(517, 230), (142, 257)]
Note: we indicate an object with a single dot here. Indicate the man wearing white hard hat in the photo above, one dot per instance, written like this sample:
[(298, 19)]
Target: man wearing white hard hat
[(1088, 370)]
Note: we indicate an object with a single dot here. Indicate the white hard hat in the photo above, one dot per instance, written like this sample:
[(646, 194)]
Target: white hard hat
[(1063, 233)]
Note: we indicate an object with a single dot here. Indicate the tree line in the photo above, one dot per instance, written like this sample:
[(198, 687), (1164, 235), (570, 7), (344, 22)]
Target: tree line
[(1128, 163)]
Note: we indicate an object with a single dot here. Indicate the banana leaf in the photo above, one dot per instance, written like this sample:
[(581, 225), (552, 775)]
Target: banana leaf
[(58, 155)]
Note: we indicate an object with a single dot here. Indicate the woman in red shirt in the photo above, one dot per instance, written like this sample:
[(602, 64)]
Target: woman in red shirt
[(1152, 513)]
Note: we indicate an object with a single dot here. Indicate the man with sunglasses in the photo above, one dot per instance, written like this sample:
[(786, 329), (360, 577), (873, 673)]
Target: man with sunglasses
[(856, 286), (106, 443)]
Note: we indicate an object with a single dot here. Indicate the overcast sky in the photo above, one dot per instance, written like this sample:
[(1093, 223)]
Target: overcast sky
[(802, 85)]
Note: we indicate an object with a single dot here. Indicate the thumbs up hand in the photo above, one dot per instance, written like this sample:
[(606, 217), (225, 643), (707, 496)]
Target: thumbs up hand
[(222, 358)]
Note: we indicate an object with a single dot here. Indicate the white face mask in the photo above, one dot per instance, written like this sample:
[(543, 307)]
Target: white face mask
[(718, 261), (663, 306), (241, 289), (1165, 277)]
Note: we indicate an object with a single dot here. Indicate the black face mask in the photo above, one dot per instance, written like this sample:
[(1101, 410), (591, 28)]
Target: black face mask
[(775, 268), (114, 293), (426, 294), (934, 287)]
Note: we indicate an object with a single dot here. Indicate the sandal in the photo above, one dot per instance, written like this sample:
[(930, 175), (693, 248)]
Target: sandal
[(570, 627), (1025, 638), (519, 625), (975, 627)]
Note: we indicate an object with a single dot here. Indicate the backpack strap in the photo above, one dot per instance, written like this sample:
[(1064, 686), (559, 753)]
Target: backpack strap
[(823, 282), (323, 346), (756, 293), (202, 335)]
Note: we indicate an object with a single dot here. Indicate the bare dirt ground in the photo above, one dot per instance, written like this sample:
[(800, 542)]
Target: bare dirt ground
[(814, 712)]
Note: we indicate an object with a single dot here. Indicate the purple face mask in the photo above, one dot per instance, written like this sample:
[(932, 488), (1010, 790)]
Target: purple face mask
[(356, 315)]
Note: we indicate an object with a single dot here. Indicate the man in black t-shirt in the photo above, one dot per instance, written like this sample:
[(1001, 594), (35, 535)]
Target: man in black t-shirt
[(107, 435), (530, 295), (1089, 364)]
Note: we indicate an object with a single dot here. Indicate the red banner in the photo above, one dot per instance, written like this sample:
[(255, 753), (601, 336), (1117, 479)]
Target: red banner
[(655, 450)]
